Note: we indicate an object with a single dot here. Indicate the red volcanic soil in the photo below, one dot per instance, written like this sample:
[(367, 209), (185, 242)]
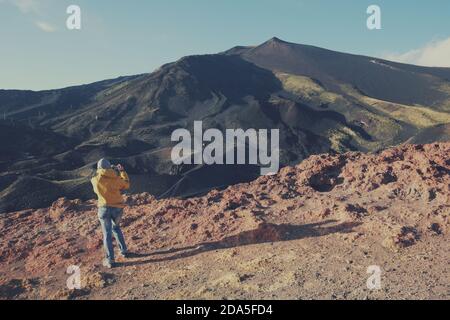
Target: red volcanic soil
[(310, 232)]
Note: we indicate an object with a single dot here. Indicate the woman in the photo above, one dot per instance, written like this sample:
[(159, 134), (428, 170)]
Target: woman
[(108, 185)]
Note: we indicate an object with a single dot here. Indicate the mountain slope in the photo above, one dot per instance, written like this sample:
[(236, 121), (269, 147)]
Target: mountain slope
[(320, 100), (381, 79)]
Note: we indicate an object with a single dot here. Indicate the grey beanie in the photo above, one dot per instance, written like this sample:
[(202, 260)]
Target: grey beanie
[(104, 164)]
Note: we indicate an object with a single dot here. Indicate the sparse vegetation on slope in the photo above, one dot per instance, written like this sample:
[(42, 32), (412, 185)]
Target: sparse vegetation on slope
[(321, 100)]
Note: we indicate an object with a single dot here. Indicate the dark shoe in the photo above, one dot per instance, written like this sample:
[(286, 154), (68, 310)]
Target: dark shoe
[(130, 255)]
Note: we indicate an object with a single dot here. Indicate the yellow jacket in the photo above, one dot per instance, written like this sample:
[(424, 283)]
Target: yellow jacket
[(108, 186)]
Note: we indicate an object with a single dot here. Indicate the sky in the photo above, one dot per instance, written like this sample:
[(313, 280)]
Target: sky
[(119, 37)]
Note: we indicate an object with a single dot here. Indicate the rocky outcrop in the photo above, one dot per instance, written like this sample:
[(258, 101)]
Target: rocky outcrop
[(394, 200)]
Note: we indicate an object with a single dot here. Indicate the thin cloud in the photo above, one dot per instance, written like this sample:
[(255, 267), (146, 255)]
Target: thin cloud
[(33, 9), (25, 6), (45, 26), (433, 54)]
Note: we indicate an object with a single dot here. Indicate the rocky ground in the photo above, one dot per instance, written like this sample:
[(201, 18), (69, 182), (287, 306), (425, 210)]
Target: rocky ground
[(310, 232)]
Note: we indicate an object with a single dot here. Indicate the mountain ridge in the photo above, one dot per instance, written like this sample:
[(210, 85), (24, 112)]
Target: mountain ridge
[(316, 98)]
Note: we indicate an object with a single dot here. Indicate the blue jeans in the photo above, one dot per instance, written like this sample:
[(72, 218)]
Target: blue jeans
[(109, 219)]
